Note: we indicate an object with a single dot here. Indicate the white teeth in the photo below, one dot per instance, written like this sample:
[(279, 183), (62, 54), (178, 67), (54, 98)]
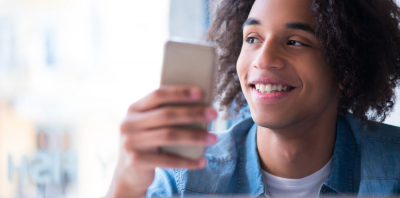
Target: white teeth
[(279, 87), (262, 88), (269, 88), (274, 88)]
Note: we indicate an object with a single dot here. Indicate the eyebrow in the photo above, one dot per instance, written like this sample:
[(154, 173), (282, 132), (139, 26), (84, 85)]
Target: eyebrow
[(300, 26), (251, 21), (291, 25)]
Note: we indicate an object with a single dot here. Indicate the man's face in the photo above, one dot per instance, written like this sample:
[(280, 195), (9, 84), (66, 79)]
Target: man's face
[(281, 53)]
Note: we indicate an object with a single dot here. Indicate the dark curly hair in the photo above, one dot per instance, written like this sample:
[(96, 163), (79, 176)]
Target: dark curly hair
[(359, 39)]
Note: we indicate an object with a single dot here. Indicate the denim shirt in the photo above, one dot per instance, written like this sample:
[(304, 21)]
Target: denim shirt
[(365, 162)]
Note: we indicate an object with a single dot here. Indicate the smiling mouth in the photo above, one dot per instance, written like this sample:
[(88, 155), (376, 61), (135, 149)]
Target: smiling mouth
[(271, 88)]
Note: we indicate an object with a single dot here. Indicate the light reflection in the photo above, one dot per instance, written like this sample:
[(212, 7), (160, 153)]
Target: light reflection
[(68, 72)]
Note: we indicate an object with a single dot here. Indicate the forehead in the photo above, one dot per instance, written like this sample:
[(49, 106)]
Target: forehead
[(281, 11)]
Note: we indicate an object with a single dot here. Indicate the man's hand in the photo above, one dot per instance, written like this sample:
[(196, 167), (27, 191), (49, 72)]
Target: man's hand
[(149, 125)]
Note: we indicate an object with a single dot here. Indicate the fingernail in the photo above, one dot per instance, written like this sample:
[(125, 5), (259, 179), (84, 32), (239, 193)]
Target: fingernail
[(195, 94), (211, 139), (202, 162), (210, 114)]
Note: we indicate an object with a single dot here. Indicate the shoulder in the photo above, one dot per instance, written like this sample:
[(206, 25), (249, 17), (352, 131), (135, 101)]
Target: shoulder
[(372, 135), (379, 147), (381, 134), (219, 177), (215, 179)]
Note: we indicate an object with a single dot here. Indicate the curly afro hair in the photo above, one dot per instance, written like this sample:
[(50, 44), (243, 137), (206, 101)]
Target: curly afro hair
[(360, 40)]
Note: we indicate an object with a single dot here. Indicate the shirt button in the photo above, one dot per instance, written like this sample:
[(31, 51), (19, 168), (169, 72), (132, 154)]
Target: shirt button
[(324, 190)]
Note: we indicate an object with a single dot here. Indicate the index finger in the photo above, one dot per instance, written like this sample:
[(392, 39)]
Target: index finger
[(167, 94)]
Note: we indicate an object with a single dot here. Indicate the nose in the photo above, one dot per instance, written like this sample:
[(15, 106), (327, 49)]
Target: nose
[(269, 56)]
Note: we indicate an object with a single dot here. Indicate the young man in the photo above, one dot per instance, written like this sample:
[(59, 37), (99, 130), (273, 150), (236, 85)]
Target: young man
[(301, 66)]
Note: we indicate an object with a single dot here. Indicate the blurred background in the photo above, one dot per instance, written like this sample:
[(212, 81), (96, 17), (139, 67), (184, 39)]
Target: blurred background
[(69, 69)]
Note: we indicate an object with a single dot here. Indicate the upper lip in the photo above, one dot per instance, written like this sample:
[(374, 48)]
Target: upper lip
[(273, 81)]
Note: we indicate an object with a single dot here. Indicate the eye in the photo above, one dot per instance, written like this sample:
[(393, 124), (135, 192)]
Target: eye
[(252, 40), (296, 43)]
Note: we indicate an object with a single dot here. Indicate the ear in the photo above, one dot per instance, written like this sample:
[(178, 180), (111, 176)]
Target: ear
[(340, 86)]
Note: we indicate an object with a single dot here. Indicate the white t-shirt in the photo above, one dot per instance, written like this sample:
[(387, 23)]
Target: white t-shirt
[(305, 187)]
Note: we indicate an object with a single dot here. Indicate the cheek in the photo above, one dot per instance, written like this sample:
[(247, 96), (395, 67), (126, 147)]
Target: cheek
[(318, 80), (242, 67)]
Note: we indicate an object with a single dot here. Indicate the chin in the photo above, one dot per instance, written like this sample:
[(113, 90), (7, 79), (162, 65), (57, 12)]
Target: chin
[(270, 120)]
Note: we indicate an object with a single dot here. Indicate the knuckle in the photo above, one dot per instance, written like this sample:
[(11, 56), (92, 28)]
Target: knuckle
[(126, 146), (195, 113), (159, 93), (169, 113), (191, 113), (129, 142), (132, 107), (124, 127), (200, 111), (128, 123), (169, 134), (135, 158), (182, 92), (198, 135)]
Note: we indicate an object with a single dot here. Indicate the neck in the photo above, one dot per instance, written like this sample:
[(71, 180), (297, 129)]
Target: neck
[(298, 151)]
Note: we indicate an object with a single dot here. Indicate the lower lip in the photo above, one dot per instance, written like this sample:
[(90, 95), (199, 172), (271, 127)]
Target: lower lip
[(271, 97)]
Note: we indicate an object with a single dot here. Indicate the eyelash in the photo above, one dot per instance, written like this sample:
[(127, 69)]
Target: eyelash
[(250, 38), (292, 42)]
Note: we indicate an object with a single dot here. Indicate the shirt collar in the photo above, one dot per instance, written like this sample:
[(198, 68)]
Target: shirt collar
[(339, 180), (341, 177), (252, 178)]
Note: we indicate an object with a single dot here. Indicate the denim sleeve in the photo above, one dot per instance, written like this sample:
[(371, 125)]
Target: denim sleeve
[(164, 184)]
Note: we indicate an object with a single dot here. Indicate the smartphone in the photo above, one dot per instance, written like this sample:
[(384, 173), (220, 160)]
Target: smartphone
[(189, 63)]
